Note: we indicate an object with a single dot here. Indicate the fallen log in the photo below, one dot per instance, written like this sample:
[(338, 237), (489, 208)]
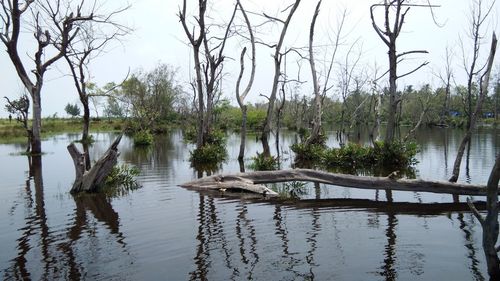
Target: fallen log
[(253, 181), (91, 180)]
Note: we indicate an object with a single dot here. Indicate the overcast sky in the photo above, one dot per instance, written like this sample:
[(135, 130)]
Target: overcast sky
[(158, 37)]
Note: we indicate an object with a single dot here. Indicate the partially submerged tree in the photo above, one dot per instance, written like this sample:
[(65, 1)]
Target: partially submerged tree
[(55, 25), (90, 43), (208, 53), (395, 10), (483, 93), (318, 99), (490, 222), (277, 57), (240, 97)]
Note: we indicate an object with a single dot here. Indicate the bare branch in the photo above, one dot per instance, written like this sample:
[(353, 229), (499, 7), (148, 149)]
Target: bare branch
[(414, 70)]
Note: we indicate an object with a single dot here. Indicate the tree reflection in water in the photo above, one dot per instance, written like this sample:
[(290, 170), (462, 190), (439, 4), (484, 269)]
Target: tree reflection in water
[(61, 255), (468, 230)]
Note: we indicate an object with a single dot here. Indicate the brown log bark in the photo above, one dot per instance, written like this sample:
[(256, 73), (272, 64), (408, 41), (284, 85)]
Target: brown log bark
[(251, 181), (90, 181)]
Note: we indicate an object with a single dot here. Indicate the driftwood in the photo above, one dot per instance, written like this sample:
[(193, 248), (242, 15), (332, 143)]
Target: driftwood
[(252, 182), (94, 178)]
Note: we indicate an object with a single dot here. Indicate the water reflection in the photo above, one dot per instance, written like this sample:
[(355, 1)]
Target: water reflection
[(468, 231), (388, 268), (59, 248), (335, 233), (245, 231), (212, 239)]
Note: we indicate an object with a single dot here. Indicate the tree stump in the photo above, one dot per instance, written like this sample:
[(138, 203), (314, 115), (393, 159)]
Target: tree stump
[(93, 179)]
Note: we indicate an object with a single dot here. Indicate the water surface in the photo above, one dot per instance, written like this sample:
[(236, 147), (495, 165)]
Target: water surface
[(163, 231)]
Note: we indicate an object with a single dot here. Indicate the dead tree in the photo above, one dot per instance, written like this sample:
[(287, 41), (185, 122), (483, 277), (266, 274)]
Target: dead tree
[(277, 57), (318, 100), (346, 79), (483, 93), (89, 44), (252, 182), (208, 70), (241, 97), (446, 80), (55, 25), (478, 17), (93, 179), (490, 222), (389, 35)]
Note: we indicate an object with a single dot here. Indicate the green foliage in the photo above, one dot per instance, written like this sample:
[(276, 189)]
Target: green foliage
[(291, 190), (114, 109), (398, 153), (264, 163), (88, 140), (143, 138), (308, 153), (213, 152), (72, 109), (230, 117), (121, 180), (207, 154), (352, 156)]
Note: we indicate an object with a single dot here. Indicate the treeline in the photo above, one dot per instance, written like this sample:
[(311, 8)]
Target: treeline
[(155, 100)]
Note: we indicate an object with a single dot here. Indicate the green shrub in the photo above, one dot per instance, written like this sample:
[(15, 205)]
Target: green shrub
[(121, 180), (143, 138), (397, 154), (308, 153), (209, 153), (353, 157), (264, 163), (213, 152)]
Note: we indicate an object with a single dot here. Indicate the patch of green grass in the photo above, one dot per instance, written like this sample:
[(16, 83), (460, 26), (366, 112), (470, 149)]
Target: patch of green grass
[(13, 132)]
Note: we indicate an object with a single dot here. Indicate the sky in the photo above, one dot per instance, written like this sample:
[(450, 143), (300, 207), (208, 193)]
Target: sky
[(158, 37)]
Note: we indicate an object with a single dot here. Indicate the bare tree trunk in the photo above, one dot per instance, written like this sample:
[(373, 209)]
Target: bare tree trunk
[(376, 126), (316, 130), (36, 140), (393, 96), (277, 72), (243, 132), (252, 181), (485, 79), (490, 223), (201, 104), (241, 98), (389, 34), (90, 181)]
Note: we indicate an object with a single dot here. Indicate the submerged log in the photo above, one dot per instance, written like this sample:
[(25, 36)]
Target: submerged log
[(94, 178), (252, 182)]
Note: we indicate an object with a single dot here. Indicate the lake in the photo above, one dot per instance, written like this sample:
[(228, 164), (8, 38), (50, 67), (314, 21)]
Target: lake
[(165, 232)]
